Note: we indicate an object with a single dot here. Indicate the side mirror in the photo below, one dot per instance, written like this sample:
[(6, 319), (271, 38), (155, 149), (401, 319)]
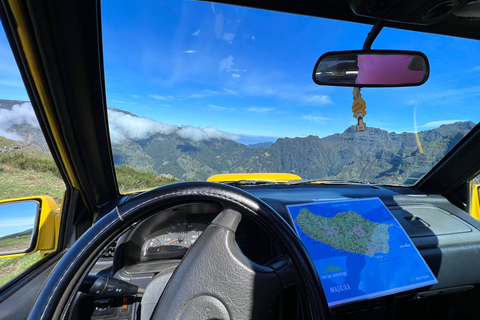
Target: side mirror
[(372, 68), (28, 225)]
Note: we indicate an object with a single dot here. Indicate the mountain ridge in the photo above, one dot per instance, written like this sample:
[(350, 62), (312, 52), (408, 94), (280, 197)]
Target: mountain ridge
[(374, 155)]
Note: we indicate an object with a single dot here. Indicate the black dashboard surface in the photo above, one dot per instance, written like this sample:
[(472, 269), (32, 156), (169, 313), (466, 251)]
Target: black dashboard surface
[(446, 236)]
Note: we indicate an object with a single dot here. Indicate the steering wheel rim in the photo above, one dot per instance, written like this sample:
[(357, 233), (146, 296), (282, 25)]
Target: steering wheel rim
[(54, 298)]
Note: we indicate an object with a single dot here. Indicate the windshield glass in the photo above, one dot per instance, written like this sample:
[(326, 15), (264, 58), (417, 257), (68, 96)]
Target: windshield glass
[(196, 89)]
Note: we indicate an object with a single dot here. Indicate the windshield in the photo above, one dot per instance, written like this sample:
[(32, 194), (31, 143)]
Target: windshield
[(196, 89)]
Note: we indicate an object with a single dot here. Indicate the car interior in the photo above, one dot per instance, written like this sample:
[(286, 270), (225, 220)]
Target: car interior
[(131, 256)]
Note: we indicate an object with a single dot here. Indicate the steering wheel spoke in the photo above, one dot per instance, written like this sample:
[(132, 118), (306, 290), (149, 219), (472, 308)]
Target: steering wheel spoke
[(223, 284)]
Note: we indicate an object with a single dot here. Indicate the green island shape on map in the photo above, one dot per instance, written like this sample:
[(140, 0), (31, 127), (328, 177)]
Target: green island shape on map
[(347, 231)]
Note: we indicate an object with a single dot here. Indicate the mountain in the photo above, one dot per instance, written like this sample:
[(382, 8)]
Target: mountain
[(24, 125), (374, 155), (260, 144)]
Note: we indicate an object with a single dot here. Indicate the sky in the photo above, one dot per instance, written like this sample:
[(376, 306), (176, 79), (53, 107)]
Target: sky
[(207, 71), (17, 217)]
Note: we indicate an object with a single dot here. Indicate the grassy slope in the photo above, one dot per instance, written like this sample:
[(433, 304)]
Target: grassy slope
[(26, 170)]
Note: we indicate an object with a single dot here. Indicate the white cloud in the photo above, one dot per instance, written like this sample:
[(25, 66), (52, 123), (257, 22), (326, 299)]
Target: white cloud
[(203, 94), (199, 134), (189, 51), (260, 109), (235, 75), (163, 98), (226, 64), (413, 102), (228, 37), (435, 124), (230, 92), (220, 108), (19, 114), (313, 118), (196, 33), (124, 126), (135, 96), (318, 99), (127, 127)]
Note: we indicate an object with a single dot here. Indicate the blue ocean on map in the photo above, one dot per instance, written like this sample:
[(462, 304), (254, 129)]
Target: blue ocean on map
[(363, 253)]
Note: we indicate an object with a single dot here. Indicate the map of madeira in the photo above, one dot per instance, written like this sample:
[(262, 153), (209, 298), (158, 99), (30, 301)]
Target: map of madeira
[(347, 231)]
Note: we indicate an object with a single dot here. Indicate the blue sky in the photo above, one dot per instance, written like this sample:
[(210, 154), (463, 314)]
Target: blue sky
[(247, 72), (17, 217)]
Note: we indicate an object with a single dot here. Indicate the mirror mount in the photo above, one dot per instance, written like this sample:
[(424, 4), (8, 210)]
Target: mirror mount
[(372, 35)]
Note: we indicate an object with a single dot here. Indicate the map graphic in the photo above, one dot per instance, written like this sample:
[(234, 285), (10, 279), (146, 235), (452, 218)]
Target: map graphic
[(359, 249)]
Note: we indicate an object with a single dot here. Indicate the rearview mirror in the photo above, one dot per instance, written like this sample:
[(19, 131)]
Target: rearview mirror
[(372, 68)]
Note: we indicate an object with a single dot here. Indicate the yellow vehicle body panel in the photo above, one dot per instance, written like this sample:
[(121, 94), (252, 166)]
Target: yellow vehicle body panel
[(48, 225), (276, 177), (474, 206)]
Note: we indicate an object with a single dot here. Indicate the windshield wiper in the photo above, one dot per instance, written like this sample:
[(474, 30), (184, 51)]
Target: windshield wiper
[(326, 181), (254, 183)]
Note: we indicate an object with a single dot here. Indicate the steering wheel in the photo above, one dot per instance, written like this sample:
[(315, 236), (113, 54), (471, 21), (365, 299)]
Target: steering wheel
[(215, 280)]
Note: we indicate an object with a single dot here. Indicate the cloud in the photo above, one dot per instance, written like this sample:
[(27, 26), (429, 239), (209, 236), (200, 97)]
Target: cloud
[(19, 114), (135, 96), (414, 102), (228, 36), (196, 33), (163, 98), (318, 99), (220, 108), (226, 64), (450, 95), (128, 127), (190, 51), (260, 109), (435, 124), (125, 126), (199, 134), (203, 94), (230, 92), (235, 75), (261, 85), (313, 118)]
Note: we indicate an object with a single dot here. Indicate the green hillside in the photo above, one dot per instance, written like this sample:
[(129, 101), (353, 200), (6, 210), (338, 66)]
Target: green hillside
[(25, 170)]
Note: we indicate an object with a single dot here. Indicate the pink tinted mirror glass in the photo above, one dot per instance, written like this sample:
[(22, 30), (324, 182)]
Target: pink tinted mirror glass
[(371, 69)]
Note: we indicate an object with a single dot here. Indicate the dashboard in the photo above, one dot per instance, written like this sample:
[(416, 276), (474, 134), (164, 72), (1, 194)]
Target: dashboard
[(447, 238)]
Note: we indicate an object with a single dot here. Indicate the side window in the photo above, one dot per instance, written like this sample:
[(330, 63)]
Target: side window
[(26, 165)]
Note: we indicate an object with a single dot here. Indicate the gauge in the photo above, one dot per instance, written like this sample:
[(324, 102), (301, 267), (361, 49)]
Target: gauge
[(173, 241), (153, 245), (182, 234)]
